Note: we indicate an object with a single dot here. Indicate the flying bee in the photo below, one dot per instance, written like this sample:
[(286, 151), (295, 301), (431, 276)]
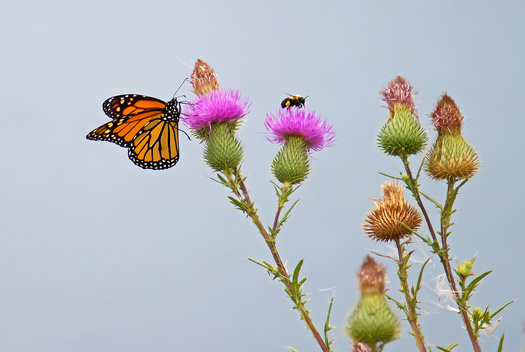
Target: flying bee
[(293, 100)]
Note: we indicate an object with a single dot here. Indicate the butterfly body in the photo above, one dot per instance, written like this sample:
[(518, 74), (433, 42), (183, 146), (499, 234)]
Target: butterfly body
[(147, 126), (293, 100)]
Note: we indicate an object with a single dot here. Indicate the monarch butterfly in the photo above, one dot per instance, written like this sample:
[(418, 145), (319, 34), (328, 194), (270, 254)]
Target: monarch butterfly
[(293, 100), (147, 126)]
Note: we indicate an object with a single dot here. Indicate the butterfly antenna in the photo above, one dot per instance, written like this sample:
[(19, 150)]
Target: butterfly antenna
[(186, 134), (185, 79)]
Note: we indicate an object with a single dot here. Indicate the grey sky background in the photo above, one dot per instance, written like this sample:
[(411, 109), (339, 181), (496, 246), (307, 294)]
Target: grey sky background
[(97, 254)]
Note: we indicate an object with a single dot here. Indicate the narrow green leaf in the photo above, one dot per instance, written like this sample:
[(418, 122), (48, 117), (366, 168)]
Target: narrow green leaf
[(449, 348), (436, 204), (419, 278), (327, 326), (500, 346), (473, 284), (392, 177), (501, 308), (295, 277)]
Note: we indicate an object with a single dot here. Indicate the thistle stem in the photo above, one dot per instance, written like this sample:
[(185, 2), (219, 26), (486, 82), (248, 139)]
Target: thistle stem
[(411, 309), (280, 207), (445, 224), (270, 242), (443, 249)]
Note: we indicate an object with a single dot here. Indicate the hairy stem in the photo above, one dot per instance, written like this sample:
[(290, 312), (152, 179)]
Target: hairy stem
[(270, 242), (443, 250), (445, 224), (280, 207), (411, 309)]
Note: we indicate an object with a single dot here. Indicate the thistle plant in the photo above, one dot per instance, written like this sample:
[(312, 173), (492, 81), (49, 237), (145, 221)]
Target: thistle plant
[(214, 118), (216, 115), (450, 159)]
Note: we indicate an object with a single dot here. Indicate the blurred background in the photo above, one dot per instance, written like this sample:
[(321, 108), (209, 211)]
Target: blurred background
[(97, 254)]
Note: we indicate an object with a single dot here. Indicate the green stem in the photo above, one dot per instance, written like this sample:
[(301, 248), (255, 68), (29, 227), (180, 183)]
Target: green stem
[(411, 308), (446, 215), (280, 207), (270, 242), (414, 188), (443, 250)]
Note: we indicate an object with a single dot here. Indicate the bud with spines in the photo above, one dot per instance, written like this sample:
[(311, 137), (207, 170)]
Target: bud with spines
[(372, 321), (450, 157), (402, 135)]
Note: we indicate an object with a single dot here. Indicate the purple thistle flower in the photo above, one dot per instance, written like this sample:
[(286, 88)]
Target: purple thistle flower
[(216, 106), (399, 93), (299, 122)]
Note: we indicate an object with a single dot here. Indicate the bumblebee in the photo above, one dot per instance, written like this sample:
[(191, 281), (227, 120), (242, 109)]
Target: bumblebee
[(293, 100)]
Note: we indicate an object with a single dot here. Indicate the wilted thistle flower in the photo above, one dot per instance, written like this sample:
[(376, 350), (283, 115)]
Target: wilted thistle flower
[(392, 218), (451, 157), (214, 116), (372, 321), (203, 78), (300, 132), (402, 135)]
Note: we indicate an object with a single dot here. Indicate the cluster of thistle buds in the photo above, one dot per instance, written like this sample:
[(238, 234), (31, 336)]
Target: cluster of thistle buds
[(450, 157), (216, 114)]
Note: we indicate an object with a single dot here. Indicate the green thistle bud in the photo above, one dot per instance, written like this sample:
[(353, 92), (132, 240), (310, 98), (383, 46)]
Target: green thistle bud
[(403, 134), (477, 314), (291, 164), (465, 269), (372, 321), (223, 151), (451, 157)]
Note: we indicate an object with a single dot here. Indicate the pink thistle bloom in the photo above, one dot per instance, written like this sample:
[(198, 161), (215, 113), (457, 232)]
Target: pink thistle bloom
[(300, 123), (399, 93), (216, 106)]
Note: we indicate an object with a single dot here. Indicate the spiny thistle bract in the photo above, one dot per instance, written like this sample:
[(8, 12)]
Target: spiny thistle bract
[(402, 135), (372, 321), (450, 157), (392, 218)]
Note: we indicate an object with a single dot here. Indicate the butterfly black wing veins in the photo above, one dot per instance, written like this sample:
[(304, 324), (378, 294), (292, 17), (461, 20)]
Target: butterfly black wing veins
[(150, 130)]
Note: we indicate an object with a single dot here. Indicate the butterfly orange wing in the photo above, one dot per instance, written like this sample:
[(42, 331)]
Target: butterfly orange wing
[(146, 125)]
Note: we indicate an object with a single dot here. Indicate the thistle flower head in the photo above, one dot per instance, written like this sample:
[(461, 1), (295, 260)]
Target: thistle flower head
[(450, 157), (399, 94), (402, 135), (371, 276), (203, 78), (372, 321), (299, 122), (300, 132), (446, 115), (393, 218), (214, 107), (360, 347)]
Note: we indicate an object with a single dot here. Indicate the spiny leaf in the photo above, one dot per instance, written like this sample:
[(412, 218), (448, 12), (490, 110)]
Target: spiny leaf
[(327, 326)]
